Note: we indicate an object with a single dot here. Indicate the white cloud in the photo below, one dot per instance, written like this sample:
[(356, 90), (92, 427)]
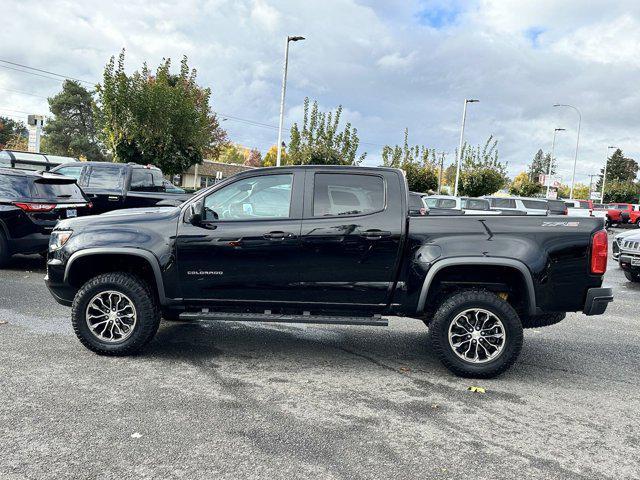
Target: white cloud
[(390, 66)]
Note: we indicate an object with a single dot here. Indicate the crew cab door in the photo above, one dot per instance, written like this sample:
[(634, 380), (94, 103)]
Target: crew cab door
[(351, 236), (247, 245)]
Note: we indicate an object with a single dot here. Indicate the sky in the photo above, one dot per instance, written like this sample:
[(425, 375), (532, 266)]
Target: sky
[(391, 65)]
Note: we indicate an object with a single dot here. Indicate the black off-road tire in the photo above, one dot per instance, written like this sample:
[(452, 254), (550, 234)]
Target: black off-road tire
[(144, 300), (467, 299), (545, 320), (632, 277), (4, 250)]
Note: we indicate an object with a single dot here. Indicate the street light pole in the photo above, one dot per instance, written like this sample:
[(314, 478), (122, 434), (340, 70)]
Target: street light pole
[(284, 91), (464, 117), (553, 148), (575, 159), (604, 175)]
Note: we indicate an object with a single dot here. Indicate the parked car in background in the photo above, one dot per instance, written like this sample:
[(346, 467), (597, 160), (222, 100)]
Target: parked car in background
[(618, 239), (417, 207), (619, 213), (326, 245), (557, 207), (31, 204), (468, 205), (629, 255), (579, 208), (31, 161), (530, 206), (112, 186)]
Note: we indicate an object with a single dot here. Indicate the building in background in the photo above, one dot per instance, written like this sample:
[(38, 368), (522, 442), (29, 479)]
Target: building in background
[(208, 173)]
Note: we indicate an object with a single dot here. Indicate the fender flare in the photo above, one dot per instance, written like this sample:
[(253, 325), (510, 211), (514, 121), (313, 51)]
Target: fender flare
[(488, 261), (147, 255)]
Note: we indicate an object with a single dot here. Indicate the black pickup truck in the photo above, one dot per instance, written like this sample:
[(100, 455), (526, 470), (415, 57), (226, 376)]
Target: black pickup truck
[(113, 186), (327, 245)]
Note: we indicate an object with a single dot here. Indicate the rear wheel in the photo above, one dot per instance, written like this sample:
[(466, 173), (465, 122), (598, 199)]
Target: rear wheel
[(115, 314), (476, 334), (631, 276)]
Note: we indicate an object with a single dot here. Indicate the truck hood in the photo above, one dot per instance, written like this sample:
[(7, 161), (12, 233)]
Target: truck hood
[(129, 215)]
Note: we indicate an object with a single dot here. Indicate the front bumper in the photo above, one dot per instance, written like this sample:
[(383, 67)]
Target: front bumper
[(597, 300), (62, 292), (625, 262)]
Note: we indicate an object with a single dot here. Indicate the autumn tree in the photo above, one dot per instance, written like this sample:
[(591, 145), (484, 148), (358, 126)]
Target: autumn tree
[(522, 186), (157, 117), (321, 140), (272, 155), (254, 159)]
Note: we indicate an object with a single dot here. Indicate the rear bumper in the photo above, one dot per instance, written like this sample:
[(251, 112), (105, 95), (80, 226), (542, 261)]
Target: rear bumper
[(597, 300)]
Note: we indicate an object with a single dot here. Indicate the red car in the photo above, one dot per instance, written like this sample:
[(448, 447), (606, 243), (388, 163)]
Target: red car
[(618, 213)]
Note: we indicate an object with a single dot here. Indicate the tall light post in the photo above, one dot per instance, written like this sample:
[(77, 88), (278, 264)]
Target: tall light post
[(575, 159), (284, 91), (553, 148), (464, 118), (604, 175)]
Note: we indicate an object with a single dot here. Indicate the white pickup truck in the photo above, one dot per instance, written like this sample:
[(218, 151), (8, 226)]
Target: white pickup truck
[(468, 205)]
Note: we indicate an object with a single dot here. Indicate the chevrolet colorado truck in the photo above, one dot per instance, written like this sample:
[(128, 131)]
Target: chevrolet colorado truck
[(327, 245)]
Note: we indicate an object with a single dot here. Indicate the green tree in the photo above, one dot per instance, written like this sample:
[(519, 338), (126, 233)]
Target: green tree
[(72, 131), (522, 186), (417, 161), (320, 140), (482, 173), (580, 191), (619, 169), (12, 130), (540, 165), (158, 118), (622, 192)]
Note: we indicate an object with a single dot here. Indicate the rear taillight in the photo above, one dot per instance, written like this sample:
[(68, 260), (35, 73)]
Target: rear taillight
[(36, 207), (566, 211), (599, 250), (423, 211)]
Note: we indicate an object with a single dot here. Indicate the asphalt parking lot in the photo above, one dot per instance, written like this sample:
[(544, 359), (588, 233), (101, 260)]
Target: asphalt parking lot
[(234, 400)]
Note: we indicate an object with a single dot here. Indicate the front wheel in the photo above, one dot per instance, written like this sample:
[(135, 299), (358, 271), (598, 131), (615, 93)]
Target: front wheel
[(115, 314), (476, 334), (632, 277)]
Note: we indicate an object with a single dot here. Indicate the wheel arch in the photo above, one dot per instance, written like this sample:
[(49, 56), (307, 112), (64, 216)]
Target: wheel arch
[(108, 259), (443, 265)]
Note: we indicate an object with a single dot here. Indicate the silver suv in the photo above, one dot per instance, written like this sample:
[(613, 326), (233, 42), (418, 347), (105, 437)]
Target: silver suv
[(528, 206)]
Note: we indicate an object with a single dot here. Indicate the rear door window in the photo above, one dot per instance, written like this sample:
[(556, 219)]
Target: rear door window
[(347, 194), (146, 180), (503, 203), (106, 176), (14, 186), (475, 204), (535, 204)]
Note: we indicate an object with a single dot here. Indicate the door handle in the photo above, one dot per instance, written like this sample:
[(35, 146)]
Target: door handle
[(113, 198), (278, 235), (375, 234)]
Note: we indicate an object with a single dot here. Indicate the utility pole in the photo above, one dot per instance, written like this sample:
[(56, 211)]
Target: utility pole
[(441, 168)]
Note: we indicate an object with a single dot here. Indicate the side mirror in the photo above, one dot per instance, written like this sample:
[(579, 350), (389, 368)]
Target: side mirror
[(195, 213)]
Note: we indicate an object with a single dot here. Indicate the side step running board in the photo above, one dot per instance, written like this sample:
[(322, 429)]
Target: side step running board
[(277, 318)]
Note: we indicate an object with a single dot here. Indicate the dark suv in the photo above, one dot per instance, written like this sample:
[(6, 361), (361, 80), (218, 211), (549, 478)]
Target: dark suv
[(31, 204)]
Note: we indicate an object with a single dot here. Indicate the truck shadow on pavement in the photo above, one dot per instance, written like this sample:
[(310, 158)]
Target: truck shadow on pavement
[(26, 263)]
